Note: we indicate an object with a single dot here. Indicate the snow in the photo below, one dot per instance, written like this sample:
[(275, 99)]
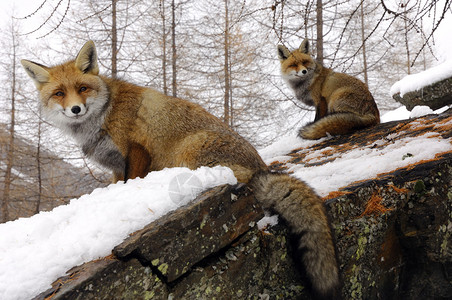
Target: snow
[(402, 113), (36, 251), (415, 82), (267, 221), (442, 46), (397, 114), (361, 162)]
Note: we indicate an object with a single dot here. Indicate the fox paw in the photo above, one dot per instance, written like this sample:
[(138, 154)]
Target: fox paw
[(309, 132)]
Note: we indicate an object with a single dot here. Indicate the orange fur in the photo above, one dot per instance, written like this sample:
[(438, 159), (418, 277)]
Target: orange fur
[(329, 92)]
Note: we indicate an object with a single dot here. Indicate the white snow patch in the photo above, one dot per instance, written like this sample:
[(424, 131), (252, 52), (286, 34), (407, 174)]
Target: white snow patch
[(415, 82), (397, 114), (267, 221), (357, 164), (420, 111), (363, 163), (278, 150), (402, 113), (36, 251)]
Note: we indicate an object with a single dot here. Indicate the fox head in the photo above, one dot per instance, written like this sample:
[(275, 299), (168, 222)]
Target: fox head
[(297, 65), (71, 91)]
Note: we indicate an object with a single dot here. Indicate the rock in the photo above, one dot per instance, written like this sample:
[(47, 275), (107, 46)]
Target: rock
[(393, 235), (434, 96), (175, 243), (107, 278), (393, 232)]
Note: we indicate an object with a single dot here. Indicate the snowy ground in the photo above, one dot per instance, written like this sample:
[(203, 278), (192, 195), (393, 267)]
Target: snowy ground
[(359, 163), (36, 251)]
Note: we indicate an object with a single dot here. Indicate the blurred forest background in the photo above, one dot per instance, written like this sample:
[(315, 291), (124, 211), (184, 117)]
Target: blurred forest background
[(218, 53)]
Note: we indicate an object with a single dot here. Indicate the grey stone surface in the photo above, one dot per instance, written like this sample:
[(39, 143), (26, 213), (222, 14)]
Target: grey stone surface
[(435, 96)]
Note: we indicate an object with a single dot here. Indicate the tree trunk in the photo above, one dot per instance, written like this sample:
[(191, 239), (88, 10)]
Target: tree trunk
[(10, 153), (408, 64), (114, 41), (38, 166), (319, 27), (165, 86), (363, 37), (173, 46), (226, 64)]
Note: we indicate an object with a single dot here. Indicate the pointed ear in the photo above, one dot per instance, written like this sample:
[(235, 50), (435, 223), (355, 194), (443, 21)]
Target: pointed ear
[(86, 60), (283, 52), (36, 71), (305, 47)]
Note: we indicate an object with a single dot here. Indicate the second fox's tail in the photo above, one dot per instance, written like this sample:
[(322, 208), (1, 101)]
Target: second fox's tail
[(337, 123), (304, 211)]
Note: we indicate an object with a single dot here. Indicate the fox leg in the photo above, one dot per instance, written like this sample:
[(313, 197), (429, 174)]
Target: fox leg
[(321, 109), (117, 177), (138, 162)]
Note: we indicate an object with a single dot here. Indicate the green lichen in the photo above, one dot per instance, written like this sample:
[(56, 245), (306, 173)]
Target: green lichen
[(149, 295), (419, 187), (356, 286), (163, 268), (155, 262), (203, 223), (340, 209), (208, 290), (362, 241), (447, 234)]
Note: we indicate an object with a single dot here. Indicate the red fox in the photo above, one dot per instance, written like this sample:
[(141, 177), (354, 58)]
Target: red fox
[(342, 103), (133, 130)]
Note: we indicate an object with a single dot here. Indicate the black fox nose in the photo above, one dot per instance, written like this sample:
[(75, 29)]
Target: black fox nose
[(304, 71), (76, 109)]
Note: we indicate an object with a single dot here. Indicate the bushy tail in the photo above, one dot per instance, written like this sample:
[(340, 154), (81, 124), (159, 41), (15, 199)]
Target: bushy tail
[(337, 123), (304, 211)]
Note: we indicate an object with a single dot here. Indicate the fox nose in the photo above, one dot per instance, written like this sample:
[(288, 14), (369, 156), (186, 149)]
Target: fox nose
[(76, 109), (304, 71)]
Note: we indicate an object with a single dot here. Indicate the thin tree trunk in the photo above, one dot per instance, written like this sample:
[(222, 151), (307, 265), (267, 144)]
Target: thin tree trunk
[(408, 64), (319, 27), (231, 104), (226, 64), (114, 41), (363, 37), (10, 153), (173, 46), (38, 165), (165, 86)]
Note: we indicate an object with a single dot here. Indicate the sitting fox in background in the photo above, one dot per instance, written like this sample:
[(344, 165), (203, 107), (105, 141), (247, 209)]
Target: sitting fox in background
[(342, 103), (133, 130)]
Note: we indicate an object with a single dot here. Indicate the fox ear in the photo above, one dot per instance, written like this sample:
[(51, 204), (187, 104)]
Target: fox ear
[(283, 52), (86, 60), (305, 47), (36, 71)]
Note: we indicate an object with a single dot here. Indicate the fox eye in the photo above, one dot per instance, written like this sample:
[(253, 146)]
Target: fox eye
[(59, 94), (83, 89), (293, 66)]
